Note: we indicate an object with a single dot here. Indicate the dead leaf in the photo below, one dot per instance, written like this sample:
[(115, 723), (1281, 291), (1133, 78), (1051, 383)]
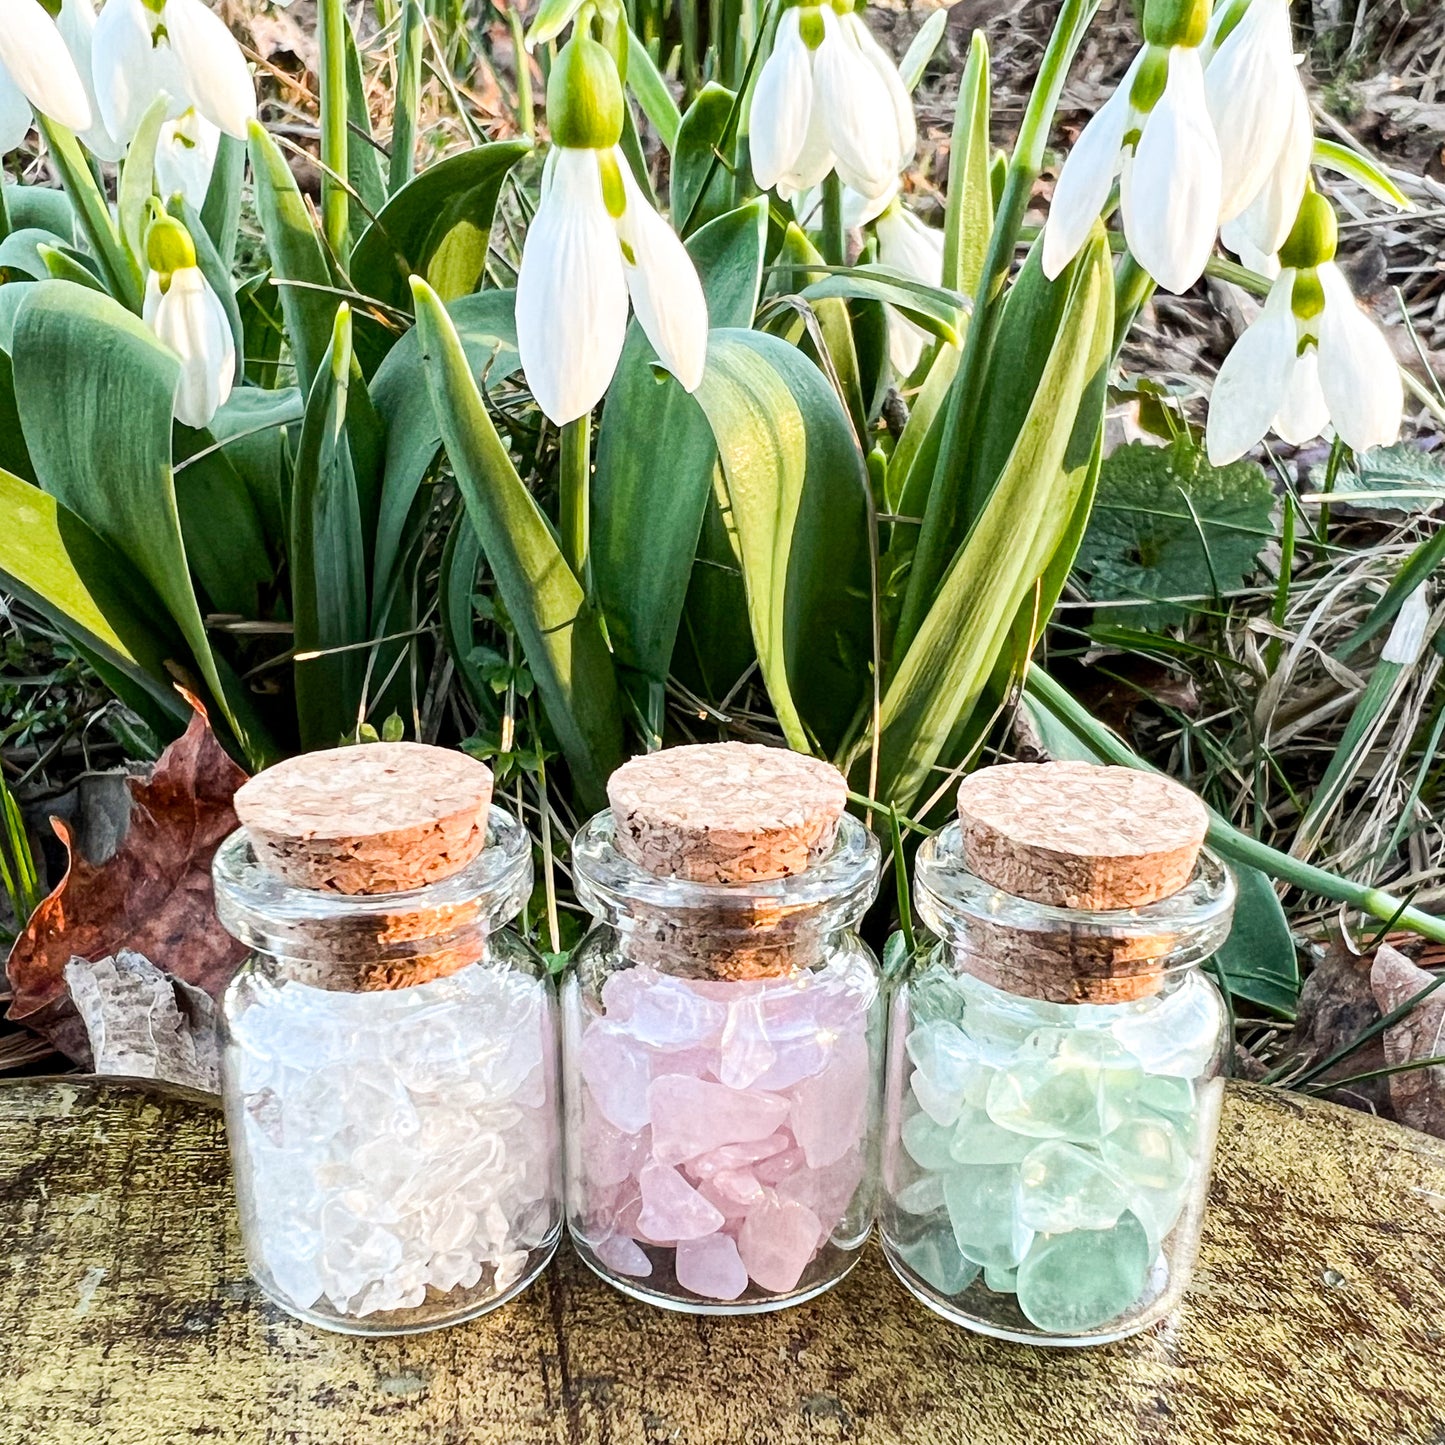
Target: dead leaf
[(144, 1024), (153, 896), (1336, 1006), (1418, 1094)]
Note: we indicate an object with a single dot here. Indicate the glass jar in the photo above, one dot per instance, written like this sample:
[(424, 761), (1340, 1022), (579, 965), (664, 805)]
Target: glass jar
[(389, 1078), (723, 1047), (1046, 1163)]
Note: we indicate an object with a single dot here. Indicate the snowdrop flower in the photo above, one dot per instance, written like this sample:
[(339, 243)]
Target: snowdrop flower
[(1311, 358), (76, 22), (594, 241), (909, 247), (177, 48), (185, 157), (829, 98), (187, 316), (1261, 117), (36, 72), (1155, 134)]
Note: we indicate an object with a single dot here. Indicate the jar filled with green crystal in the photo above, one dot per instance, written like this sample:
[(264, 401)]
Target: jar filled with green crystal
[(1055, 1061)]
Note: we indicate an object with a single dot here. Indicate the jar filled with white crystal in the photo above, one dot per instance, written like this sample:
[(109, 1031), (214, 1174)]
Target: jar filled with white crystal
[(1055, 1061), (389, 1060), (723, 1032)]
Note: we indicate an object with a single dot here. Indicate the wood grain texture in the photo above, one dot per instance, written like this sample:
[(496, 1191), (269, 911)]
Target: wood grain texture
[(126, 1318)]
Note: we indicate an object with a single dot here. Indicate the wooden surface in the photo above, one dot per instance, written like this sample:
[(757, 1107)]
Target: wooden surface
[(126, 1318)]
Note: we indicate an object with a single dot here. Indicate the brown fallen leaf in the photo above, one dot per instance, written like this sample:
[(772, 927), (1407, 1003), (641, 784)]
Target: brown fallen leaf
[(153, 896), (1418, 1094)]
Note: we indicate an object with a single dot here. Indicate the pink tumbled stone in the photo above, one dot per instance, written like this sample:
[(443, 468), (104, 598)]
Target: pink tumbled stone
[(608, 1155), (737, 1156), (777, 1167), (691, 1116), (740, 1186), (827, 1192), (671, 1208), (711, 1267), (830, 1110), (623, 1255), (776, 1242), (745, 1052), (617, 1072)]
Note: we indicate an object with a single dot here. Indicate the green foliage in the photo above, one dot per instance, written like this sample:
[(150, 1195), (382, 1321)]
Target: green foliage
[(1400, 478), (1168, 525)]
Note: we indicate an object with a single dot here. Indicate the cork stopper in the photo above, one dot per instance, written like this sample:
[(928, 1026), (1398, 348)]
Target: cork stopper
[(381, 818), (726, 814), (1081, 837)]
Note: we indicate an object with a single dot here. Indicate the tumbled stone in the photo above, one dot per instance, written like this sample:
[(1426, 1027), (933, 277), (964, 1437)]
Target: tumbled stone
[(1080, 1281), (776, 1242), (1063, 1187), (828, 1112), (690, 1116), (1176, 1036), (1065, 1084), (976, 1139), (927, 1143), (671, 1208), (1001, 1281), (618, 1074), (621, 1253), (935, 1259), (711, 1267), (983, 1210)]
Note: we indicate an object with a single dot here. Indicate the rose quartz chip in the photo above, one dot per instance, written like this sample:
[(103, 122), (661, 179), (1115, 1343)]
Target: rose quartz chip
[(711, 1267), (737, 1156), (746, 1052), (778, 1167), (829, 1110), (691, 1116), (623, 1255), (739, 1186), (671, 1014), (827, 1192), (776, 1242), (672, 1209), (608, 1155), (617, 1072)]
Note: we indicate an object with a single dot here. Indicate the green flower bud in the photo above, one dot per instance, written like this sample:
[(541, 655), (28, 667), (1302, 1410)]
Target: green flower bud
[(584, 97), (1307, 299), (1311, 242), (168, 247), (1149, 82), (1176, 22)]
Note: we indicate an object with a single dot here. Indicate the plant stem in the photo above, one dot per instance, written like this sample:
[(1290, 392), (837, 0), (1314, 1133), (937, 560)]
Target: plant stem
[(835, 245), (526, 116), (335, 204), (1133, 286), (575, 487), (1225, 837), (937, 539), (408, 96)]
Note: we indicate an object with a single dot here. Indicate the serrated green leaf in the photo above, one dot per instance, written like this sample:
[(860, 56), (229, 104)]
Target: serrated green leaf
[(1166, 524), (1400, 477)]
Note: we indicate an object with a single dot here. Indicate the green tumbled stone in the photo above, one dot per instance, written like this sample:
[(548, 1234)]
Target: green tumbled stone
[(927, 1142), (1147, 1152), (935, 1259), (978, 1140), (1001, 1281), (982, 1208), (1065, 1084), (1062, 1187), (1070, 1283), (1165, 1095), (923, 1196)]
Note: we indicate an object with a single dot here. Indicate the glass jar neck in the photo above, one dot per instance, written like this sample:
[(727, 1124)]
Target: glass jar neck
[(1068, 955), (364, 942), (758, 929)]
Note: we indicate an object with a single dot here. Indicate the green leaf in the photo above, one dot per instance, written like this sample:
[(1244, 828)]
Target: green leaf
[(437, 227), (640, 509), (1027, 518), (1167, 524), (401, 393), (20, 253), (701, 185), (42, 208), (968, 216), (363, 160), (460, 559), (95, 391), (296, 255), (252, 430), (137, 179), (560, 633), (263, 323), (921, 48), (797, 492), (646, 83), (221, 210), (64, 265), (1396, 478), (939, 312), (328, 557), (1364, 170)]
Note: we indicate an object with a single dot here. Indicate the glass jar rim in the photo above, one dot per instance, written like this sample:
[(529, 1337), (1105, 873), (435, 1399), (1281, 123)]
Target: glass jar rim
[(840, 886), (267, 913), (956, 904)]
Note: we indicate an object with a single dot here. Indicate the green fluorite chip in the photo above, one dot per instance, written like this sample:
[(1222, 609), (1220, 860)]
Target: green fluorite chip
[(934, 1257), (983, 1212), (1062, 1187), (1078, 1281)]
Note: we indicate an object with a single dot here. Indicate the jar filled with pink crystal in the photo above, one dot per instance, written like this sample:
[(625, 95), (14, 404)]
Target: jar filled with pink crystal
[(722, 1030)]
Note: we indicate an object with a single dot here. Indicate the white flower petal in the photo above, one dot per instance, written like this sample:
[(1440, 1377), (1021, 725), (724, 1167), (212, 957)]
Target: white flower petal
[(1304, 413), (1358, 372), (1254, 380), (218, 82), (1271, 214), (185, 157), (1171, 198), (906, 245), (905, 344), (882, 62), (1087, 177), (76, 23), (782, 103), (571, 292), (1249, 88), (811, 164), (128, 71), (190, 319), (857, 109), (33, 51), (14, 114), (663, 282), (1238, 237)]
